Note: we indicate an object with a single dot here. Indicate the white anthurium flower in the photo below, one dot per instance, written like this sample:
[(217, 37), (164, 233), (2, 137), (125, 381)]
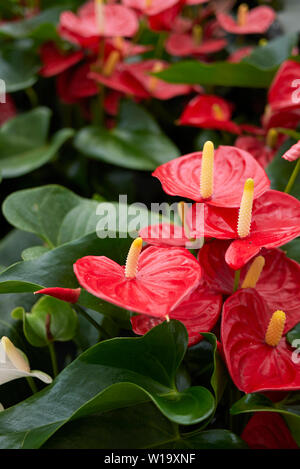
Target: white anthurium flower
[(14, 364)]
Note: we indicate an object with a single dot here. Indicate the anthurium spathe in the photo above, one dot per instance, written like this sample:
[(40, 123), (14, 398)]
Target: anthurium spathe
[(293, 153), (222, 173), (14, 364), (273, 221), (161, 15), (263, 149), (185, 44), (254, 21), (284, 91), (209, 112), (55, 61), (94, 20), (277, 272), (268, 430), (257, 354), (199, 312), (70, 295), (152, 282)]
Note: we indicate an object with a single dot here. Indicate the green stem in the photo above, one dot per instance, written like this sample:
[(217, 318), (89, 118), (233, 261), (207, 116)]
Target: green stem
[(53, 358), (293, 177), (92, 321), (32, 96), (160, 45), (237, 276), (32, 384)]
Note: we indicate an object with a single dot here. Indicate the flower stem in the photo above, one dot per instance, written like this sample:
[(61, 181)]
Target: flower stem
[(236, 280), (32, 384), (53, 359), (32, 96), (293, 177)]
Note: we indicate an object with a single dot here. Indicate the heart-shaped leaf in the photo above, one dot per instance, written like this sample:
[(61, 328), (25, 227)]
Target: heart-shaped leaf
[(136, 142), (113, 374)]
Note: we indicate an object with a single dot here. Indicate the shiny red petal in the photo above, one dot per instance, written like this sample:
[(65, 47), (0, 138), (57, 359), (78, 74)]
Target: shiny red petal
[(164, 278), (164, 234), (233, 166), (268, 430), (8, 109), (293, 153), (184, 44), (157, 6), (261, 152), (70, 295), (253, 365), (121, 80), (199, 312), (259, 21), (55, 61), (284, 91)]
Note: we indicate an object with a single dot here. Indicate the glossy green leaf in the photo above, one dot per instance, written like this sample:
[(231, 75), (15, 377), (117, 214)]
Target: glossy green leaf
[(34, 252), (294, 334), (12, 246), (62, 322), (32, 26), (272, 54), (280, 170), (219, 376), (292, 249), (136, 142), (23, 142), (40, 210), (113, 374), (137, 427), (218, 73), (18, 65)]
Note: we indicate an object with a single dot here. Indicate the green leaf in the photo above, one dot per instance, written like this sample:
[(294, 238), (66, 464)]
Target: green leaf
[(292, 249), (32, 26), (63, 322), (113, 374), (18, 65), (34, 252), (40, 210), (280, 170), (137, 427), (12, 246), (218, 73), (294, 334), (23, 142), (273, 53), (219, 376), (136, 142)]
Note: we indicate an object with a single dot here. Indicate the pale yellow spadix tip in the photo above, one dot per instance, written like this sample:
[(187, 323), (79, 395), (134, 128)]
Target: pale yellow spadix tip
[(182, 209), (254, 272), (263, 42), (148, 3), (207, 170), (272, 138), (218, 112), (153, 81), (14, 355), (242, 14), (99, 11), (132, 260), (245, 212), (275, 328)]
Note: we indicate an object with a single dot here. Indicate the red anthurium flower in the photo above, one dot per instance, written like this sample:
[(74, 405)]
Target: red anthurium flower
[(8, 109), (157, 88), (275, 221), (185, 44), (121, 80), (268, 430), (153, 282), (216, 178), (195, 2), (55, 61), (95, 19), (164, 234), (160, 14), (263, 150), (288, 119), (70, 295), (255, 21), (293, 153), (284, 92), (257, 354), (209, 112), (272, 271), (199, 312)]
